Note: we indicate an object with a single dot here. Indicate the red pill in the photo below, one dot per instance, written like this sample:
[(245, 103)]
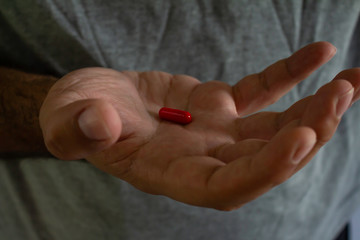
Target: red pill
[(175, 115)]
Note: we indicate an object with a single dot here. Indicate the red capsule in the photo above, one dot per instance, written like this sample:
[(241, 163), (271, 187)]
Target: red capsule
[(175, 115)]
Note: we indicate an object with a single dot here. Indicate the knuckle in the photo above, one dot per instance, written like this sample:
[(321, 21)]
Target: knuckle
[(267, 89), (54, 147), (58, 146), (289, 71), (352, 71), (263, 81), (326, 130)]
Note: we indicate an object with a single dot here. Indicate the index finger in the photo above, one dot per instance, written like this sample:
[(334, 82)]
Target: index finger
[(257, 91)]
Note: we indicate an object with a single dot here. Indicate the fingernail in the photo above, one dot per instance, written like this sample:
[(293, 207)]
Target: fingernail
[(92, 126), (344, 102)]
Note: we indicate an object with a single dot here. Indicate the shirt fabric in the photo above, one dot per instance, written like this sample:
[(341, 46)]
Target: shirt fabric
[(210, 40)]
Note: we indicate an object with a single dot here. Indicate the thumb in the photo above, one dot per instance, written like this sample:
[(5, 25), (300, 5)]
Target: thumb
[(80, 129)]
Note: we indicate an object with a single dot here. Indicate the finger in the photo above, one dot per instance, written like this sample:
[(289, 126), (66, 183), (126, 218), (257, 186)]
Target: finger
[(321, 112), (246, 178), (80, 129), (327, 106), (324, 114), (353, 76), (260, 90), (266, 124), (229, 152)]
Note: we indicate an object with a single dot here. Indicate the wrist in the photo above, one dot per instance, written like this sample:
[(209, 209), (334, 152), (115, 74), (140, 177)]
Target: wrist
[(21, 96)]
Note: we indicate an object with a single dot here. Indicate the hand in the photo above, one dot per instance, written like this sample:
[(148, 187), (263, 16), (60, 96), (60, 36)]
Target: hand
[(224, 158)]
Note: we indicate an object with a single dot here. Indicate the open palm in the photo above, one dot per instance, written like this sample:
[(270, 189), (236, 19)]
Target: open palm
[(225, 157)]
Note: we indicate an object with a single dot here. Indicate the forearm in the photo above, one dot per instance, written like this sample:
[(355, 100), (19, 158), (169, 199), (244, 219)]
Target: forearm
[(21, 96)]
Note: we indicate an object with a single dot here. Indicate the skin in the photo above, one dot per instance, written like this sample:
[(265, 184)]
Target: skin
[(21, 96), (226, 157)]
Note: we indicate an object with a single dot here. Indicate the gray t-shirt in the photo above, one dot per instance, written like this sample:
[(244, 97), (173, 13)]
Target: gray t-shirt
[(222, 40)]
